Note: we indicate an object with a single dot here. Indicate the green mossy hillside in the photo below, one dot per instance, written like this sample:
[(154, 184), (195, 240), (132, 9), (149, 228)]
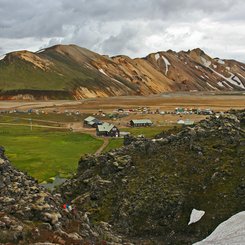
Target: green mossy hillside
[(147, 189), (56, 73)]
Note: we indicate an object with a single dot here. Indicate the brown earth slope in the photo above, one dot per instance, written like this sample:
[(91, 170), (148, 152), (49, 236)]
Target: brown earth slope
[(69, 71)]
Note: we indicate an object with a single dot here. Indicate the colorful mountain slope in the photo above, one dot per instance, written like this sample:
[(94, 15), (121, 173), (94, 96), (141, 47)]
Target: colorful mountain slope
[(72, 72)]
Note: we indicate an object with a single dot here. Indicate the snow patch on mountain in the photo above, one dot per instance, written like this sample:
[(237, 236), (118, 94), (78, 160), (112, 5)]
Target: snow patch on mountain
[(167, 63), (211, 86), (224, 82), (232, 231), (220, 84), (118, 82), (205, 62), (157, 56), (221, 62), (103, 72), (236, 81), (232, 79)]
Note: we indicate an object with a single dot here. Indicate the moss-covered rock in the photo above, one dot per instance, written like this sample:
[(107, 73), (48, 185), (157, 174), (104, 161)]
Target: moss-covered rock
[(147, 189)]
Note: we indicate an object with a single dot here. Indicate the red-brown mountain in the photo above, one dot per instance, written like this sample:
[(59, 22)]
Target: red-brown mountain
[(72, 72)]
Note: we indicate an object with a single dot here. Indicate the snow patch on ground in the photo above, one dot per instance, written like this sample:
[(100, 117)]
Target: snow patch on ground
[(232, 231), (155, 140), (197, 67), (2, 57), (214, 66), (203, 77), (157, 56), (167, 63), (196, 215), (102, 71), (205, 62), (228, 68)]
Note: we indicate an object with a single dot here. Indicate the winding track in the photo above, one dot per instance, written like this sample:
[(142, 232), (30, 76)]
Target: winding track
[(105, 144), (34, 125)]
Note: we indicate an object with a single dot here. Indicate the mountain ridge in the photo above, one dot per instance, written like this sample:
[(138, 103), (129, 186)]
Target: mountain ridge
[(72, 72)]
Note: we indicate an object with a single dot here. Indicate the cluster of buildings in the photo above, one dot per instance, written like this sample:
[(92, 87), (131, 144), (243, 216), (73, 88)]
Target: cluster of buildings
[(177, 111), (38, 112), (102, 128), (109, 129), (29, 111), (193, 111)]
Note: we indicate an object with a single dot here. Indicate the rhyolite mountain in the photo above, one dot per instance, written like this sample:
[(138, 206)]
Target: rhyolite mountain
[(72, 72), (142, 193)]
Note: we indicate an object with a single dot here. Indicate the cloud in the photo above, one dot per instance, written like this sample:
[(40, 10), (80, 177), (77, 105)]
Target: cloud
[(130, 27)]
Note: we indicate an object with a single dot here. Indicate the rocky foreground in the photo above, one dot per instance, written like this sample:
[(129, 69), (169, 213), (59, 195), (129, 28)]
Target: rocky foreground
[(30, 214), (142, 193)]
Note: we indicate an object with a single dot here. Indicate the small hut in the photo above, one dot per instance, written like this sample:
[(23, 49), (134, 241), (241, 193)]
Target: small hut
[(141, 123), (91, 122)]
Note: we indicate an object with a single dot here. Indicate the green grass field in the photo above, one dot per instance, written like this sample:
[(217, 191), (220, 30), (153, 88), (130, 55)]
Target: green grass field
[(45, 153), (50, 117), (114, 144)]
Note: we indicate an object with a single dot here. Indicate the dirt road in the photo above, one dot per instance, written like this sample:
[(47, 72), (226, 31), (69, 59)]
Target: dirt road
[(163, 102), (33, 125), (101, 149)]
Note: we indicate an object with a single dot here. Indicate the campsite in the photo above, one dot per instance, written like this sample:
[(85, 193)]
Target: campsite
[(35, 123)]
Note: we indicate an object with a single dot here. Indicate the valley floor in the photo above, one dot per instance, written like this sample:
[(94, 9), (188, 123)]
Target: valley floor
[(166, 101), (55, 137)]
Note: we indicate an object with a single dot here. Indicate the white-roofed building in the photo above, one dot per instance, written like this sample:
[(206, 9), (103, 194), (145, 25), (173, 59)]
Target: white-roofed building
[(107, 129)]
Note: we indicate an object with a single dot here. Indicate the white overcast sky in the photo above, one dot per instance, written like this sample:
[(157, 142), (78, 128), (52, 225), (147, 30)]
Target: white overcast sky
[(131, 27)]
